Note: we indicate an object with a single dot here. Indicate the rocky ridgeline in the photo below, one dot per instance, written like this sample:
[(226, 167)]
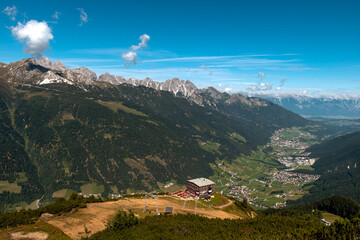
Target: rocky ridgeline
[(43, 71)]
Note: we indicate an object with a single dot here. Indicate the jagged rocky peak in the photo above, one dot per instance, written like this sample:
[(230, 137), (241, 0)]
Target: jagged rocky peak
[(148, 82), (133, 81), (44, 71), (22, 62), (121, 79), (86, 72), (107, 77), (56, 66), (184, 87), (45, 62), (25, 71)]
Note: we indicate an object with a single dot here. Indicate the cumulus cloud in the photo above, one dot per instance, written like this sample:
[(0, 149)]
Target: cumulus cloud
[(261, 86), (143, 42), (131, 56), (83, 16), (228, 89), (56, 15), (11, 12), (35, 35)]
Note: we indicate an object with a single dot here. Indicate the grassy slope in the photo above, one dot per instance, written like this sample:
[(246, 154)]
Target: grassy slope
[(42, 227)]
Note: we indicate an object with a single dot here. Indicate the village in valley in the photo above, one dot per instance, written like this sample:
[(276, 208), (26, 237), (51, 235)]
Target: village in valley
[(268, 178)]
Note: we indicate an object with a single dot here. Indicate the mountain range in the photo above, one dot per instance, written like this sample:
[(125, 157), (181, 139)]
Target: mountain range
[(315, 106), (66, 128)]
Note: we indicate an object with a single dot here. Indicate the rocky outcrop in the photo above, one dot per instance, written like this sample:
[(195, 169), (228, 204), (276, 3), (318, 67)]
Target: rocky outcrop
[(85, 72), (56, 66), (180, 88), (107, 77), (44, 71)]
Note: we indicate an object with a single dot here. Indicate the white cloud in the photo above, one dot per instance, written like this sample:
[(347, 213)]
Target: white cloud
[(11, 12), (35, 35), (144, 40), (228, 89), (56, 15), (261, 87), (130, 57), (83, 16), (220, 85)]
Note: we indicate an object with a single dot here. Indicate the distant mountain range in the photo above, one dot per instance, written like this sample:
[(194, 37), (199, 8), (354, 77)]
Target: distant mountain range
[(65, 128), (326, 106)]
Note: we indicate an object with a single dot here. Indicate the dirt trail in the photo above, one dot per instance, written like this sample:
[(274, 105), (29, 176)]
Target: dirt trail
[(226, 205), (96, 215)]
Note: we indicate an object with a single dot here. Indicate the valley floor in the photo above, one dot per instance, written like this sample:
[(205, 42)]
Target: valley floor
[(266, 178)]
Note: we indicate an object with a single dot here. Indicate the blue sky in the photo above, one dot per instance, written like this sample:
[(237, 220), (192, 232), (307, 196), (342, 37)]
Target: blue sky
[(276, 46)]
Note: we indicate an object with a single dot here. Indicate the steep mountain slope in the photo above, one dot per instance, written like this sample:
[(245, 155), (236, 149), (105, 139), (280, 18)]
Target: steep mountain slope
[(17, 170), (72, 130), (266, 115), (339, 166)]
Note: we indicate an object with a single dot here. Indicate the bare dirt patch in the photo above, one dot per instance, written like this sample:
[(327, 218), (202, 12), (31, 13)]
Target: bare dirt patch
[(96, 215), (29, 235), (11, 187)]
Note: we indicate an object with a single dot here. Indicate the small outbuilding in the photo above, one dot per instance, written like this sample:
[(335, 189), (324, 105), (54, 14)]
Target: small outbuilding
[(169, 210)]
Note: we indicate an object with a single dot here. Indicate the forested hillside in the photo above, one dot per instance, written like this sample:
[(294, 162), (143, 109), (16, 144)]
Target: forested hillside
[(117, 138), (265, 115), (338, 165)]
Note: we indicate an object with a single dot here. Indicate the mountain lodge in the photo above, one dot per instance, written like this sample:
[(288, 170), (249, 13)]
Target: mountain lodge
[(202, 187)]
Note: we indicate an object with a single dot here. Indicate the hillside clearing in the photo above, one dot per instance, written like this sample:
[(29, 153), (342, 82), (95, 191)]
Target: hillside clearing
[(96, 215)]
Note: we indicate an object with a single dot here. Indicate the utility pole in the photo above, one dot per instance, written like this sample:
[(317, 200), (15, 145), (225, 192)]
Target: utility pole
[(184, 205), (157, 210), (195, 204), (145, 202)]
